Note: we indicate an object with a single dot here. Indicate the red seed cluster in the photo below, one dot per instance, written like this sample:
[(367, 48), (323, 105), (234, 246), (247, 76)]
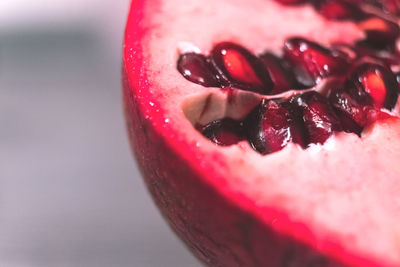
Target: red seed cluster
[(365, 87)]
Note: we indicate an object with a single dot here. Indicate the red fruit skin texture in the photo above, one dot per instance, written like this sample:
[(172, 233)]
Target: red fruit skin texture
[(220, 228)]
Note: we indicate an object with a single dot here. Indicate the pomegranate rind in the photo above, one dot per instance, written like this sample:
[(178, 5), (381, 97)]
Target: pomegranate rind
[(208, 203)]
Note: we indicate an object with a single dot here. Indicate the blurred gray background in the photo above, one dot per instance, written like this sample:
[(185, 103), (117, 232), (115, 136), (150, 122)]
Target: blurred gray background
[(70, 193)]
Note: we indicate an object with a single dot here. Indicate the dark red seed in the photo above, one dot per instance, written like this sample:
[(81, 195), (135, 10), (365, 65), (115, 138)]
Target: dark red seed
[(387, 56), (271, 128), (197, 69), (373, 84), (320, 121), (338, 10), (354, 116), (351, 114), (312, 62), (280, 73), (224, 132), (369, 87), (380, 33), (238, 67)]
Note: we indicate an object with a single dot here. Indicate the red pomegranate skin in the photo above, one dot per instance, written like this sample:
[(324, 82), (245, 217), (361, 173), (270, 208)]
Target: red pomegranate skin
[(219, 227)]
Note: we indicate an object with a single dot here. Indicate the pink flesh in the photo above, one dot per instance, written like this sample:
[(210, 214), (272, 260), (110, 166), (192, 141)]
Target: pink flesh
[(342, 199)]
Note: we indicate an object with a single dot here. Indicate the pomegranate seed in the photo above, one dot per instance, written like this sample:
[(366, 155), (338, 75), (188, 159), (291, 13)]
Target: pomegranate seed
[(373, 84), (380, 32), (272, 127), (313, 62), (385, 57), (350, 113), (224, 132), (196, 68), (280, 73), (237, 67), (369, 88), (320, 121), (364, 83), (338, 10)]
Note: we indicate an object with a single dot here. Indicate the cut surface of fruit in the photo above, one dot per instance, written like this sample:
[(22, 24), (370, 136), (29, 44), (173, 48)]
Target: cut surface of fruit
[(301, 169), (370, 86)]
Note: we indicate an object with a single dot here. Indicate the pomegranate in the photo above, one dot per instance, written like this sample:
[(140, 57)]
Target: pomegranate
[(268, 131)]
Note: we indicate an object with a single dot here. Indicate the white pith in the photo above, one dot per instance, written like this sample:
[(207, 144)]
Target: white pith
[(349, 187)]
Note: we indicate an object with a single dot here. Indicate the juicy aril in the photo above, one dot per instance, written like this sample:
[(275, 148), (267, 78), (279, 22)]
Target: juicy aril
[(268, 131)]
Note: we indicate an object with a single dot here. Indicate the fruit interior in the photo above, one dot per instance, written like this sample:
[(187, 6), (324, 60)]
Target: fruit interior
[(362, 88), (345, 186)]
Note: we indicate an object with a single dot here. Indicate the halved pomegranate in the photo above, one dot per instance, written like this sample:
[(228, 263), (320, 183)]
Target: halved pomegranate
[(268, 132)]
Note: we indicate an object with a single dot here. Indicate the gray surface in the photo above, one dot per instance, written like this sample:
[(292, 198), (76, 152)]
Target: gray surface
[(70, 194)]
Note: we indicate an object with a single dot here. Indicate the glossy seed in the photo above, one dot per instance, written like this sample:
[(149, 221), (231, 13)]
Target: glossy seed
[(339, 10), (280, 73), (312, 62), (380, 33), (224, 132), (195, 68), (373, 84), (238, 67), (271, 127), (320, 121)]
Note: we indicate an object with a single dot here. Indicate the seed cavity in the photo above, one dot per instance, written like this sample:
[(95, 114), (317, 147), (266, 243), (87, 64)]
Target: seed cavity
[(359, 83)]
